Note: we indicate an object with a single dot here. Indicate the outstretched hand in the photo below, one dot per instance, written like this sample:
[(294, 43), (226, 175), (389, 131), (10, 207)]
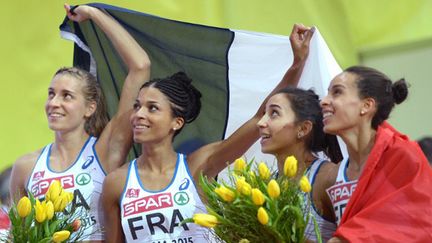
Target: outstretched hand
[(79, 14), (300, 39)]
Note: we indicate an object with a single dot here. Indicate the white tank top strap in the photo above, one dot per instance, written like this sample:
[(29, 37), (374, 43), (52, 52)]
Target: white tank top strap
[(84, 178), (327, 228), (342, 176)]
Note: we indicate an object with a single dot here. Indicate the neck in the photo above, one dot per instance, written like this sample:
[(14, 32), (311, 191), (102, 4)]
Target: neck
[(67, 146), (359, 143), (157, 157), (299, 151)]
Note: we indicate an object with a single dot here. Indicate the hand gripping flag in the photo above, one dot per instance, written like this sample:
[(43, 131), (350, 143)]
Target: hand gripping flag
[(235, 70)]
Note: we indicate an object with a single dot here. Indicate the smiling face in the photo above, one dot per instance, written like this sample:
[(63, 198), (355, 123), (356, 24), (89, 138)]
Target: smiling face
[(152, 119), (278, 128), (66, 107), (342, 107)]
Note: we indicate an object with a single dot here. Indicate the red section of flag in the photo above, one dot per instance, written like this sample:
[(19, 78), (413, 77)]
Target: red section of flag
[(393, 200)]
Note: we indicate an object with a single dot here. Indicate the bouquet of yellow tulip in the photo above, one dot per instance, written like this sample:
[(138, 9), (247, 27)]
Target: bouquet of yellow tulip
[(259, 206), (52, 220)]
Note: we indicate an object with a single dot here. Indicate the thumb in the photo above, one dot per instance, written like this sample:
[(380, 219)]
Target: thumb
[(309, 34)]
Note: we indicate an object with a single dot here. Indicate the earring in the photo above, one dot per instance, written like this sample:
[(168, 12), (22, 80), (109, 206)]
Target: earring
[(362, 112), (300, 135), (174, 128)]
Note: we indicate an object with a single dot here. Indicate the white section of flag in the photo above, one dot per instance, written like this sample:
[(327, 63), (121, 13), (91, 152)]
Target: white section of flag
[(257, 62)]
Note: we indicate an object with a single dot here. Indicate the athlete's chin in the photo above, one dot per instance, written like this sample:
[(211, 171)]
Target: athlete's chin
[(330, 130), (56, 127), (267, 150)]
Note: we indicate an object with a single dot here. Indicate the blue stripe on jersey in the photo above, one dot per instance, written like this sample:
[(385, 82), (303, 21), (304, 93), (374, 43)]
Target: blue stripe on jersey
[(126, 183), (164, 189), (70, 166), (97, 157)]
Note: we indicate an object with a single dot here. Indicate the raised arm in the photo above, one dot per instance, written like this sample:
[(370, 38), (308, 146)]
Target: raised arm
[(116, 139), (212, 158)]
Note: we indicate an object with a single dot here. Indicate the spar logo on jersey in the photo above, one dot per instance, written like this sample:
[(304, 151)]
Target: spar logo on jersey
[(132, 193), (38, 175), (41, 187), (184, 184), (181, 198), (342, 192), (83, 179), (149, 203)]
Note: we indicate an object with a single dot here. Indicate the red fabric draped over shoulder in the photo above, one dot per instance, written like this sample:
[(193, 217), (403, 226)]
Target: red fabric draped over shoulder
[(393, 198)]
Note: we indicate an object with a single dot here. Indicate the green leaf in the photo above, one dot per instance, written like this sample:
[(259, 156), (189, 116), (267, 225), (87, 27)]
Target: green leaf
[(45, 240), (46, 229), (30, 218), (317, 230)]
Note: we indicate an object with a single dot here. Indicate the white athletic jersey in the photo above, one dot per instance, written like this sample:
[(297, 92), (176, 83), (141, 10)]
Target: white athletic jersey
[(84, 178), (155, 216), (341, 191), (326, 227)]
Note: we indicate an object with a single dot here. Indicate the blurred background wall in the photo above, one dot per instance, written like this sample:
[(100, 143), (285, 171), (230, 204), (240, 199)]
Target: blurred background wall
[(394, 36)]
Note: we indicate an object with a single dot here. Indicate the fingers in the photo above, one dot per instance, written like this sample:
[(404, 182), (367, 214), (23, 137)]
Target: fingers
[(67, 7), (298, 32), (308, 34)]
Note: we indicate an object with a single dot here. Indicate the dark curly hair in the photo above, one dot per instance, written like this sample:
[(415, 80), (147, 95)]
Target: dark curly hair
[(185, 99), (306, 107)]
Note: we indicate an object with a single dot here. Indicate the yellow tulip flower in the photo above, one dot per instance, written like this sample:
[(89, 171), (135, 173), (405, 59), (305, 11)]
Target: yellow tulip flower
[(239, 183), (242, 186), (304, 184), (239, 164), (225, 193), (246, 189), (54, 191), (49, 210), (273, 189), (290, 166), (40, 211), (262, 216), (61, 202), (257, 197), (252, 175), (264, 171), (24, 207), (61, 236), (206, 220), (70, 196)]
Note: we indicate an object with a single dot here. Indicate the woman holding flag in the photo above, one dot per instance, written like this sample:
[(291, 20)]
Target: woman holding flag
[(86, 145), (146, 199)]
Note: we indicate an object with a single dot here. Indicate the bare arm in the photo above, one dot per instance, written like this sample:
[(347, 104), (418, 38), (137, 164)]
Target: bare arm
[(116, 139), (20, 174), (212, 158), (111, 192)]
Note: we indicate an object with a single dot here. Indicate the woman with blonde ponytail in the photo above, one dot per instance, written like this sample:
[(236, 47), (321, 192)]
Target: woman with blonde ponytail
[(87, 145)]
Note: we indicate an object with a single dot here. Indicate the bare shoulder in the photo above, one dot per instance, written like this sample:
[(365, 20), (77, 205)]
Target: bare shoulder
[(24, 164), (115, 181), (21, 171), (327, 174)]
